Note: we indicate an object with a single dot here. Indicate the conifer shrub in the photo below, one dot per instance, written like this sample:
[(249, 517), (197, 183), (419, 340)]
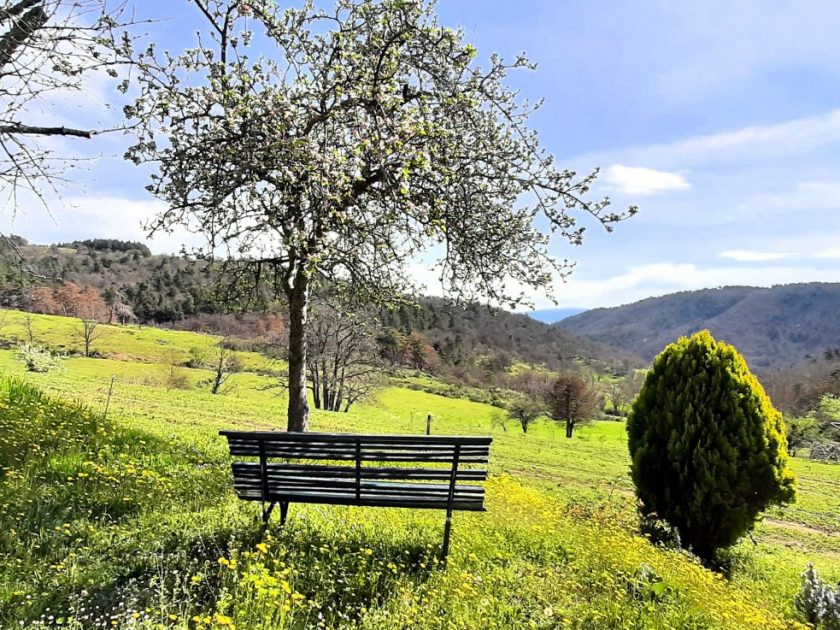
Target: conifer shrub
[(818, 602), (708, 448)]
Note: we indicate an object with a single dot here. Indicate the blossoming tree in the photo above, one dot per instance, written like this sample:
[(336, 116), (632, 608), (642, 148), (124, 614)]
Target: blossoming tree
[(342, 144)]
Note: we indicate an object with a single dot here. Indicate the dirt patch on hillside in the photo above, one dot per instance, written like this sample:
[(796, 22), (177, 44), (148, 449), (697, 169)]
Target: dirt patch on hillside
[(799, 527)]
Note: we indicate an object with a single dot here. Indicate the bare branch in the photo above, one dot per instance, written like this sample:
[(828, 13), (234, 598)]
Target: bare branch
[(21, 129)]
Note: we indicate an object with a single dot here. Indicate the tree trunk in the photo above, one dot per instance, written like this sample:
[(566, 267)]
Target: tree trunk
[(217, 381), (298, 403), (316, 385), (570, 426)]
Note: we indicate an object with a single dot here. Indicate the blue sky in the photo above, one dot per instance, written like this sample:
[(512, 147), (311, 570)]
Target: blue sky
[(721, 120)]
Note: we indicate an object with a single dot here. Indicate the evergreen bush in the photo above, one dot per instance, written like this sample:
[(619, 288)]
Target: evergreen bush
[(708, 449)]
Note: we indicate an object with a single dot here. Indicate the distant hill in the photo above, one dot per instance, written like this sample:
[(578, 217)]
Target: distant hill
[(476, 329), (174, 291), (773, 327), (554, 315)]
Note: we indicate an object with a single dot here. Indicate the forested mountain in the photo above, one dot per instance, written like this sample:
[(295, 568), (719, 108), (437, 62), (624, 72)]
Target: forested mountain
[(773, 327), (176, 291), (500, 335), (158, 288)]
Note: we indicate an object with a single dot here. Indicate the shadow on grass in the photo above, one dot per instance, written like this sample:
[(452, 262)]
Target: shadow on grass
[(351, 568)]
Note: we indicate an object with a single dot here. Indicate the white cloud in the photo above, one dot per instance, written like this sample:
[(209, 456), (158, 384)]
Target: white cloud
[(747, 255), (757, 142), (807, 196), (94, 216), (828, 253), (639, 180)]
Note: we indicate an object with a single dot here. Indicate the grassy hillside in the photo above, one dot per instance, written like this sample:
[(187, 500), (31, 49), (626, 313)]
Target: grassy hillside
[(127, 343), (132, 522), (773, 327)]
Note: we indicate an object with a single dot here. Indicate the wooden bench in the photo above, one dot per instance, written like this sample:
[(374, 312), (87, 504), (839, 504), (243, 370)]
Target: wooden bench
[(408, 471)]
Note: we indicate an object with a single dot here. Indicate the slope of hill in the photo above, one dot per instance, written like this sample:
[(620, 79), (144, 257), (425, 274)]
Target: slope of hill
[(773, 327), (478, 330)]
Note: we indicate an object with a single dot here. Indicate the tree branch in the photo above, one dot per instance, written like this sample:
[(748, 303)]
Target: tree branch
[(17, 9), (20, 31), (21, 129)]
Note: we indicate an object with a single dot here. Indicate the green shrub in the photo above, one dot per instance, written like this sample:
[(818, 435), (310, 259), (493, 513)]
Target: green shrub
[(708, 449), (819, 602), (802, 431), (37, 358)]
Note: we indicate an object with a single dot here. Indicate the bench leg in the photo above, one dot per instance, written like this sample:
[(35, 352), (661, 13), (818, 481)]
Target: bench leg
[(266, 513), (446, 530), (284, 512)]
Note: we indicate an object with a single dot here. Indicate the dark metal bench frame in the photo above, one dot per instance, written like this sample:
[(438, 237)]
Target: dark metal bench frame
[(374, 486)]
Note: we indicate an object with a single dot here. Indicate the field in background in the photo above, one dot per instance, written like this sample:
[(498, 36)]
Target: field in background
[(557, 543)]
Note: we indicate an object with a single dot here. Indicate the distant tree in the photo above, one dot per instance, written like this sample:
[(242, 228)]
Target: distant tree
[(89, 331), (498, 361), (38, 359), (534, 383), (418, 353), (367, 136), (42, 300), (392, 345), (224, 363), (271, 327), (88, 306), (174, 374), (68, 296), (110, 245), (123, 313), (499, 418), (572, 400), (526, 411), (708, 449), (620, 392), (118, 309), (344, 366), (29, 329)]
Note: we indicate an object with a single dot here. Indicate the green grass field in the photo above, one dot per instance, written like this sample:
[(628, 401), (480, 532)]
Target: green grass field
[(131, 521)]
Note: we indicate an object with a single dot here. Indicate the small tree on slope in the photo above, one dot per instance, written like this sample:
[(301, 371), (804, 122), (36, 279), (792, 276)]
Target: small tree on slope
[(708, 449)]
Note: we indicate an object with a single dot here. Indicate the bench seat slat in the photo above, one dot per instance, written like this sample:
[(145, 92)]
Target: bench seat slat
[(365, 457), (368, 446), (372, 486), (350, 438), (458, 501), (251, 469), (366, 500), (241, 445)]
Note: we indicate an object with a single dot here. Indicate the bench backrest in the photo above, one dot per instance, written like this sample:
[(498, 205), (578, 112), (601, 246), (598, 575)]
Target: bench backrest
[(366, 448), (412, 457)]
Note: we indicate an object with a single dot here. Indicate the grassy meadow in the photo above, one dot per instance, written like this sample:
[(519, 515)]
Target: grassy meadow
[(130, 520)]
